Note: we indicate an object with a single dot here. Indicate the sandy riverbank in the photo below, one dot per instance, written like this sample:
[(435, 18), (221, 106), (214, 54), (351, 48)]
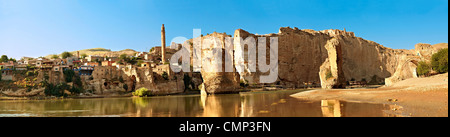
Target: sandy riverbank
[(417, 97)]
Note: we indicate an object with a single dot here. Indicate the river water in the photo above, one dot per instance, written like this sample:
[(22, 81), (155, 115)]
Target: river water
[(245, 104)]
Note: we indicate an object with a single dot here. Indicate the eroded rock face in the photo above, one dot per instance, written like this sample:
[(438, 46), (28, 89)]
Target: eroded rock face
[(325, 82), (303, 54), (217, 81), (106, 80), (332, 66), (300, 54), (406, 69), (151, 78), (408, 62)]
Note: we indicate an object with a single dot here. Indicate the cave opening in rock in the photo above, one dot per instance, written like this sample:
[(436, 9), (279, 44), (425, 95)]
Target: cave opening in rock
[(133, 85)]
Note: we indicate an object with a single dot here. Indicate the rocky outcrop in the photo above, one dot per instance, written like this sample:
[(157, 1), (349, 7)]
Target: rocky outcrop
[(425, 51), (217, 81), (405, 70), (408, 63), (300, 54), (303, 54), (331, 74), (106, 80)]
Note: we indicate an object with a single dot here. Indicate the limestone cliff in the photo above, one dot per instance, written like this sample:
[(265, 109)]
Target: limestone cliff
[(106, 80), (408, 63), (300, 55), (214, 78), (305, 56)]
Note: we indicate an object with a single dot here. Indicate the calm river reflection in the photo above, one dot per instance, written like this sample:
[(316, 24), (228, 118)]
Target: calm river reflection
[(247, 104)]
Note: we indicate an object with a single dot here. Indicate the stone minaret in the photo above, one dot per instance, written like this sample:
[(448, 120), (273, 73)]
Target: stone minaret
[(163, 44)]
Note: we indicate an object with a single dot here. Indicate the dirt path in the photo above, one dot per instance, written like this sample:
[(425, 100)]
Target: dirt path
[(417, 97)]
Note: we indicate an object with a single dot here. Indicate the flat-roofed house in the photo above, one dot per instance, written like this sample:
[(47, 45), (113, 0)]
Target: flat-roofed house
[(21, 67), (91, 58), (107, 63), (91, 64)]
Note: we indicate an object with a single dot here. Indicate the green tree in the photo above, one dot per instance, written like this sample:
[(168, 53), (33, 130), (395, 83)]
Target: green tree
[(123, 57), (439, 61), (12, 59), (69, 74), (84, 55), (30, 73), (139, 62), (75, 90), (423, 68), (4, 58), (153, 48), (77, 85), (132, 60), (66, 54), (77, 82), (56, 90), (55, 57), (98, 61)]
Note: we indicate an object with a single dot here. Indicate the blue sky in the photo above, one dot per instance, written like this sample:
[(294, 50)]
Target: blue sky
[(41, 27)]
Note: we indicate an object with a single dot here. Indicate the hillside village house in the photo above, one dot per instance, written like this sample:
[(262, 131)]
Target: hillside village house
[(39, 61), (70, 60), (148, 57), (58, 62), (146, 64), (7, 70), (93, 64), (76, 63), (141, 54), (45, 65), (20, 62), (85, 70), (112, 59), (91, 58), (107, 63), (83, 60), (21, 67), (30, 62)]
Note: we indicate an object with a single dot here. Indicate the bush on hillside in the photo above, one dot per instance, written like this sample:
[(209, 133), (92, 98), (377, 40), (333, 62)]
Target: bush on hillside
[(439, 61), (423, 68)]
